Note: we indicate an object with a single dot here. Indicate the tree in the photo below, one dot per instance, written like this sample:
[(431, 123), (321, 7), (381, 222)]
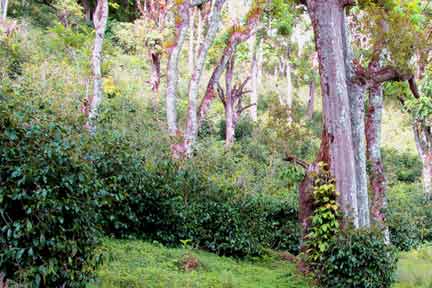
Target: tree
[(236, 35), (155, 15), (232, 98), (174, 49), (328, 21), (100, 18), (3, 6), (191, 131)]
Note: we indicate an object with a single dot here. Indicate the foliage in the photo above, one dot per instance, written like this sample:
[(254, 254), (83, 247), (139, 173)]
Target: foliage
[(167, 203), (244, 128), (357, 258), (47, 231), (415, 268), (325, 218), (401, 166), (408, 216), (139, 264)]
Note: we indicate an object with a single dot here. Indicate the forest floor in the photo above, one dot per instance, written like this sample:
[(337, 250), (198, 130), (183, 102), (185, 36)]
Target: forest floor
[(137, 264)]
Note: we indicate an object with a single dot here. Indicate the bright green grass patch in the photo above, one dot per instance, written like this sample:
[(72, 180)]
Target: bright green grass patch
[(136, 264), (415, 269)]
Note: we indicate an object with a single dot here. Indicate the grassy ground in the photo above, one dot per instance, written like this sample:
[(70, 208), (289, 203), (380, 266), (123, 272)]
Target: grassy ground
[(415, 269), (135, 264)]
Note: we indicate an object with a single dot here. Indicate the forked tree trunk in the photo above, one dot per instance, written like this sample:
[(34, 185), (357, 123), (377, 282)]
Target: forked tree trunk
[(234, 40), (182, 22), (356, 94), (191, 132), (327, 19), (100, 19), (423, 138)]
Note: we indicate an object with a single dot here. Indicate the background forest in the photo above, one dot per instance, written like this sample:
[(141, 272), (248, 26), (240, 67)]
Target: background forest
[(218, 143)]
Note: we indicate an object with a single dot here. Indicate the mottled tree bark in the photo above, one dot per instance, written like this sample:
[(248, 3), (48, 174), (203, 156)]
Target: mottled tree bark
[(253, 47), (356, 94), (191, 132), (182, 22), (100, 19), (311, 101), (229, 105), (4, 7), (327, 19), (289, 92), (191, 55), (423, 138), (373, 135)]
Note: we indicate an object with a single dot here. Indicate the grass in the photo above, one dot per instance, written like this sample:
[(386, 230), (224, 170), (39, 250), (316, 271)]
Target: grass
[(136, 264), (415, 269)]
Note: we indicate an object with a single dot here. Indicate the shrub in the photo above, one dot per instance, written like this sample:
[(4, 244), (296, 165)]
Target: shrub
[(168, 203), (357, 258), (243, 130), (409, 216), (47, 230)]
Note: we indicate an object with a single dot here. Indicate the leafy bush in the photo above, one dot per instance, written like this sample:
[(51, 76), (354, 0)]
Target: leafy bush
[(357, 258), (409, 216), (168, 203), (244, 128), (47, 231), (401, 167)]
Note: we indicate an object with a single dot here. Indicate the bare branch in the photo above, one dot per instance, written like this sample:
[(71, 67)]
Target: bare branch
[(290, 158), (239, 111)]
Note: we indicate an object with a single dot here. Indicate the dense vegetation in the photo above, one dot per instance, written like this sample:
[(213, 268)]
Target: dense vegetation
[(101, 187)]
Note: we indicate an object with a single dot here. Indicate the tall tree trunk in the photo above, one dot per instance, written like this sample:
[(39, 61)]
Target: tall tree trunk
[(327, 19), (191, 51), (4, 6), (311, 102), (87, 10), (289, 96), (229, 105), (182, 22), (191, 132), (377, 177), (100, 19), (155, 78), (254, 44), (356, 94), (423, 138), (199, 32)]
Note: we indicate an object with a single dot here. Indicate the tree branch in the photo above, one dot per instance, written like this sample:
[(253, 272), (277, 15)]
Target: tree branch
[(239, 111), (295, 160)]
